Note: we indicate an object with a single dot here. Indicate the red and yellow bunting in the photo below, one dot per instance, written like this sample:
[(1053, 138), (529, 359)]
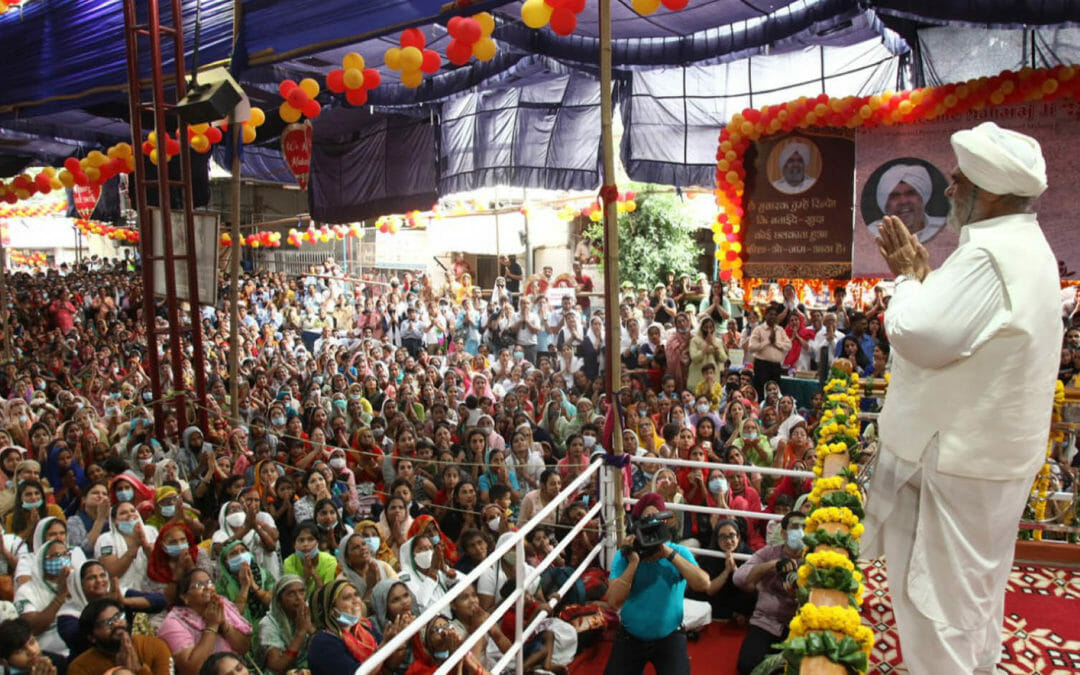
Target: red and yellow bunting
[(122, 234), (884, 109), (28, 258)]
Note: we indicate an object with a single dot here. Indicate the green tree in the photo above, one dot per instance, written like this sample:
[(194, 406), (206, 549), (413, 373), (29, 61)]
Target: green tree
[(653, 239)]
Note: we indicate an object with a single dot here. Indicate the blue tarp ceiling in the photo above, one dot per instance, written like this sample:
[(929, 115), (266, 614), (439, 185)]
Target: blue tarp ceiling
[(62, 90)]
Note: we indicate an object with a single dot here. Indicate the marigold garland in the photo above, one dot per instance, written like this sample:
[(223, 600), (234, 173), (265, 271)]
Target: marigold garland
[(843, 620), (887, 108), (1041, 487)]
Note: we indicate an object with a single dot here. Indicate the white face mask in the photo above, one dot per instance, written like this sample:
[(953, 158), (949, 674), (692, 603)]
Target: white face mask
[(423, 559), (494, 523), (236, 520), (337, 463)]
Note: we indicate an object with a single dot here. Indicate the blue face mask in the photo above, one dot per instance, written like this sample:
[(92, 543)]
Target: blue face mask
[(795, 539), (327, 526), (53, 566), (340, 405), (435, 539), (346, 619), (147, 396), (313, 553), (752, 436), (31, 506), (125, 495), (277, 421), (442, 656), (718, 485), (169, 510), (175, 550), (126, 527), (237, 562), (373, 544)]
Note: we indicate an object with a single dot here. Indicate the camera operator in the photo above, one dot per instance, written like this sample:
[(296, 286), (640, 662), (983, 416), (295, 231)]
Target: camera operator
[(647, 587), (773, 571)]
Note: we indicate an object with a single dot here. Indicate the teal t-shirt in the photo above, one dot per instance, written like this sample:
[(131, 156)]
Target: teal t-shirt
[(654, 608)]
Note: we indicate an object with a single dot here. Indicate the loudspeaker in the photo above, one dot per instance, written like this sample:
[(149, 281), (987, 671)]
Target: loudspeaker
[(212, 98)]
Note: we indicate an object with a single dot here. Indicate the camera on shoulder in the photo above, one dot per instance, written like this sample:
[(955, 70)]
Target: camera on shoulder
[(650, 533)]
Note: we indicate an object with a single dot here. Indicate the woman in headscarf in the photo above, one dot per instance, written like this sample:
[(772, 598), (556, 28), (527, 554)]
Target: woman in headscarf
[(39, 599), (434, 644), (427, 525), (566, 427), (391, 601), (25, 470), (91, 581), (241, 580), (242, 521), (125, 549), (394, 522), (677, 350), (168, 507), (128, 488), (47, 530), (316, 567), (266, 472), (343, 639), (31, 508), (370, 531), (175, 553), (357, 561), (428, 576), (59, 465), (202, 623), (284, 634), (495, 472)]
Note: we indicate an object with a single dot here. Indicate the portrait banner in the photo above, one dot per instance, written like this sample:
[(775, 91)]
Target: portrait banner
[(904, 170), (799, 205)]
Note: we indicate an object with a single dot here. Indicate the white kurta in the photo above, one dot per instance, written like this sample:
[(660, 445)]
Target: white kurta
[(947, 538)]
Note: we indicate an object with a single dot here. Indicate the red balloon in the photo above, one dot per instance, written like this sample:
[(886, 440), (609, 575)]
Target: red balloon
[(432, 62), (454, 27), (172, 147), (81, 179), (297, 98), (71, 164), (413, 37), (356, 96), (147, 147), (213, 134), (312, 109), (286, 87), (675, 5), (725, 275), (42, 182), (119, 166), (335, 81), (731, 255), (469, 30), (372, 78), (107, 171), (458, 53), (575, 6), (563, 21)]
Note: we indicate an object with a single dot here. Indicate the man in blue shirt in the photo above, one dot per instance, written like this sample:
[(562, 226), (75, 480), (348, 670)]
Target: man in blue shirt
[(859, 324), (648, 589)]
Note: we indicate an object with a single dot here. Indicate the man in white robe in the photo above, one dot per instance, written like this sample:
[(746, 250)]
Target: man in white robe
[(793, 160), (965, 423)]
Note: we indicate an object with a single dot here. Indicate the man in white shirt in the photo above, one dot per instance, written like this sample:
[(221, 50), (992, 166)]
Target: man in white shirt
[(959, 444), (823, 347), (527, 327)]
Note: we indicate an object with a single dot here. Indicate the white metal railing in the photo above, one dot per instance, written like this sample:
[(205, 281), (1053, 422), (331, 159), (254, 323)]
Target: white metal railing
[(743, 468), (516, 597)]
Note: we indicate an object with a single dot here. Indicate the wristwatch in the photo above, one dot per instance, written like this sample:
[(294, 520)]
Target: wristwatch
[(671, 556)]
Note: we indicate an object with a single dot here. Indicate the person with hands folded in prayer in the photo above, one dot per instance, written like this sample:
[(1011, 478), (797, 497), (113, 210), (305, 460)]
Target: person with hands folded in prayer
[(202, 623), (647, 589), (20, 651), (105, 625)]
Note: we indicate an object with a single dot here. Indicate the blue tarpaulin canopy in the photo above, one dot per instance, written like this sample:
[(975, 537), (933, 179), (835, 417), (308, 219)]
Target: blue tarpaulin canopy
[(529, 117)]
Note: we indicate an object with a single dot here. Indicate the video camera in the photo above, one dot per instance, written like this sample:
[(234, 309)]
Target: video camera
[(649, 533)]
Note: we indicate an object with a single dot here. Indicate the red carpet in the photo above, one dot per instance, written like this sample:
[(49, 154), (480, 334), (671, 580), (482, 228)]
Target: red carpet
[(1041, 635)]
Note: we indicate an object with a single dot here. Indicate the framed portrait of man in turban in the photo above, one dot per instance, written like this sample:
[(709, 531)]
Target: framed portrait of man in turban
[(910, 188), (794, 165)]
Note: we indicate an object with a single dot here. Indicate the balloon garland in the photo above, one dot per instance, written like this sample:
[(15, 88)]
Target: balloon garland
[(121, 234), (412, 59), (27, 258), (299, 100), (471, 37), (354, 79), (94, 169), (561, 15), (647, 7), (885, 109)]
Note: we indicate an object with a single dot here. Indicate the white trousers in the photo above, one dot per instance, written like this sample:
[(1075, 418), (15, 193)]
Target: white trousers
[(948, 544)]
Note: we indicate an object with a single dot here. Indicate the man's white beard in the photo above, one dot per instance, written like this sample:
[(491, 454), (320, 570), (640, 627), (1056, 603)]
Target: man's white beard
[(952, 220)]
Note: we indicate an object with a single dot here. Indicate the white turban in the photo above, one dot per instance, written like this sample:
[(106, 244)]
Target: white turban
[(791, 148), (1001, 161), (914, 175)]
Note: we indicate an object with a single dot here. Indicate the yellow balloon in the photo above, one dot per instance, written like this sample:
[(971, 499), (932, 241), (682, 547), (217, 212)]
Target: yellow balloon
[(411, 59), (310, 87), (536, 13), (200, 143), (200, 128), (93, 174), (352, 60), (96, 159), (484, 49), (55, 183), (66, 178), (645, 7), (392, 58), (412, 78), (249, 133), (354, 78), (288, 113), (152, 137), (258, 116), (487, 23)]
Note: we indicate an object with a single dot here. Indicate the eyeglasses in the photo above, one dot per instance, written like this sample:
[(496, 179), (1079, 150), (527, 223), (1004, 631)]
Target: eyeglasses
[(728, 537), (111, 621), (201, 585)]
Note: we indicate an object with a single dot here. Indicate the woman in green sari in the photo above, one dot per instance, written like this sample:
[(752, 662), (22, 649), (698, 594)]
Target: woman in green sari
[(286, 630), (243, 582)]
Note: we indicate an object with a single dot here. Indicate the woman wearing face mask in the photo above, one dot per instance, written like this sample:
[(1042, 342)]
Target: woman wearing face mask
[(202, 623), (125, 549), (285, 633), (332, 529), (642, 476), (175, 553), (316, 567), (369, 530), (357, 561), (91, 581), (39, 600), (47, 530), (30, 497), (241, 580), (428, 578), (428, 526), (343, 639), (128, 488), (168, 508), (433, 645)]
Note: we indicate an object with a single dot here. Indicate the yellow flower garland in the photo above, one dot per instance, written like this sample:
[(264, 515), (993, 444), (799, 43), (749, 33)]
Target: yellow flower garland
[(843, 620), (1042, 480)]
